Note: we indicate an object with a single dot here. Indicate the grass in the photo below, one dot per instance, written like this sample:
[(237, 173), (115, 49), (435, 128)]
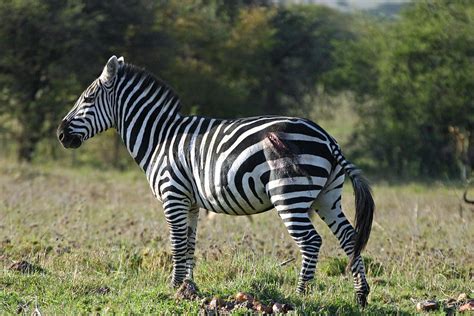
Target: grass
[(102, 241)]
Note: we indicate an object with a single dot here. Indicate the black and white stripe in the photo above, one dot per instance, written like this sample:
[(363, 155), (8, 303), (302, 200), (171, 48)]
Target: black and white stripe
[(237, 167)]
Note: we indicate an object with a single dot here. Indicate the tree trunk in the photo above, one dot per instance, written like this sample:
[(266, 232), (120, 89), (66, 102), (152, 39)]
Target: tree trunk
[(26, 146), (31, 119), (470, 149)]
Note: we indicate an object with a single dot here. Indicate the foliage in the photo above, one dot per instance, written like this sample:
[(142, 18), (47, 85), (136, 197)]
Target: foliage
[(290, 49), (197, 65), (427, 85), (49, 49), (411, 76), (418, 70), (224, 59), (29, 63)]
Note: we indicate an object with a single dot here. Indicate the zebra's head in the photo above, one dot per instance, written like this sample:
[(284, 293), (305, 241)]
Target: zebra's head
[(94, 111)]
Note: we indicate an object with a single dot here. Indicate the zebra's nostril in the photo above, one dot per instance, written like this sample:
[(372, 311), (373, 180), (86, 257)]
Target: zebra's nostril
[(61, 136)]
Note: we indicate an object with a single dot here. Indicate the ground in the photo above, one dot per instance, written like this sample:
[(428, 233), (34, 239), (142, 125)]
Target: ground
[(99, 243)]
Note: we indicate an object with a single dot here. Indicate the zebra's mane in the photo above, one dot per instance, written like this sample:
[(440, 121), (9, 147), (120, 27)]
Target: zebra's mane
[(130, 70)]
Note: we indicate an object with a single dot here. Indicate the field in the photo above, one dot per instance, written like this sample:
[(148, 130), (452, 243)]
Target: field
[(99, 243)]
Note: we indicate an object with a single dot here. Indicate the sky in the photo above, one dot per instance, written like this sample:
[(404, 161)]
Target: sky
[(353, 4)]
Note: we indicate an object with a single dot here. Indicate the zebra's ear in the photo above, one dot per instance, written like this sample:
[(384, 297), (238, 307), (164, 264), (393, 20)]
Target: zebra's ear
[(121, 60), (110, 69)]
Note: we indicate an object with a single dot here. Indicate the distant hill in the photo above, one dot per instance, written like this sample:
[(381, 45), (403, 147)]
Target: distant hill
[(387, 10), (379, 8)]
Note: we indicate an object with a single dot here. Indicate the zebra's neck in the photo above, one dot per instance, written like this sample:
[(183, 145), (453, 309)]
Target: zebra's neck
[(146, 109)]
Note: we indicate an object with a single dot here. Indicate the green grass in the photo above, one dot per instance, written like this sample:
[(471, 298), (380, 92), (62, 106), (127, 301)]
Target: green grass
[(92, 230)]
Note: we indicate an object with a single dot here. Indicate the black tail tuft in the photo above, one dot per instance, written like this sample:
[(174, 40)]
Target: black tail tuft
[(364, 215)]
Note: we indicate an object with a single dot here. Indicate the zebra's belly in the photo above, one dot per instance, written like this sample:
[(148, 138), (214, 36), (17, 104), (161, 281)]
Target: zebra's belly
[(230, 201)]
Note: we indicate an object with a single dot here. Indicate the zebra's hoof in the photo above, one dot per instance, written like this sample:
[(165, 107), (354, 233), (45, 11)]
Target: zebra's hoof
[(176, 283), (302, 289), (188, 290), (362, 300)]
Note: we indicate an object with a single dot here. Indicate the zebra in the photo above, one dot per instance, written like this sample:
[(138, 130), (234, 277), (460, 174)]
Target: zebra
[(239, 166)]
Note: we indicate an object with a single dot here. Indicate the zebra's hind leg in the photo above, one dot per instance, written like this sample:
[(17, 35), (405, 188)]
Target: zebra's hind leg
[(329, 209), (302, 231), (193, 217)]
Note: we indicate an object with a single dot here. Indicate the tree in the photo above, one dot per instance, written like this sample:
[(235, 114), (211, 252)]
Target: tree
[(50, 49), (196, 65), (29, 54), (249, 58), (283, 52), (418, 72)]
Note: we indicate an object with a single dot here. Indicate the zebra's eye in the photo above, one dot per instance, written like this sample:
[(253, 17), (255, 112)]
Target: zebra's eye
[(89, 99)]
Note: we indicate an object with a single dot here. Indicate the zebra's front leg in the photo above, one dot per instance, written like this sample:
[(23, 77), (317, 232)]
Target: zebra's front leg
[(344, 231), (193, 217), (177, 219), (308, 240)]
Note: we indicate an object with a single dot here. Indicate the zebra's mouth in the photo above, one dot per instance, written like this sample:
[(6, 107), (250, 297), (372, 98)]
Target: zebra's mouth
[(65, 137), (70, 141), (75, 142)]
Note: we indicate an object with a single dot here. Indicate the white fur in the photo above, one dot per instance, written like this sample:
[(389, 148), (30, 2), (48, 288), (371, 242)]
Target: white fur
[(110, 69)]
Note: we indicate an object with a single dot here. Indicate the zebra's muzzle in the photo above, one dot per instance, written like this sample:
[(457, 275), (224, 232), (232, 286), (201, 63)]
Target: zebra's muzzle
[(66, 139), (71, 141)]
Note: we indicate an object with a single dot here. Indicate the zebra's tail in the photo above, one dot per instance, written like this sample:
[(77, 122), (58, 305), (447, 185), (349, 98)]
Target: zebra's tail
[(364, 203)]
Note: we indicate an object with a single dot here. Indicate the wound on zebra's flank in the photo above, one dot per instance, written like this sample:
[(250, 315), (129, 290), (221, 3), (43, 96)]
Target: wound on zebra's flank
[(281, 149), (277, 143)]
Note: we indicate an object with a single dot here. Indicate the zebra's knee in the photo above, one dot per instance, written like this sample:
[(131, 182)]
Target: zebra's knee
[(316, 240)]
